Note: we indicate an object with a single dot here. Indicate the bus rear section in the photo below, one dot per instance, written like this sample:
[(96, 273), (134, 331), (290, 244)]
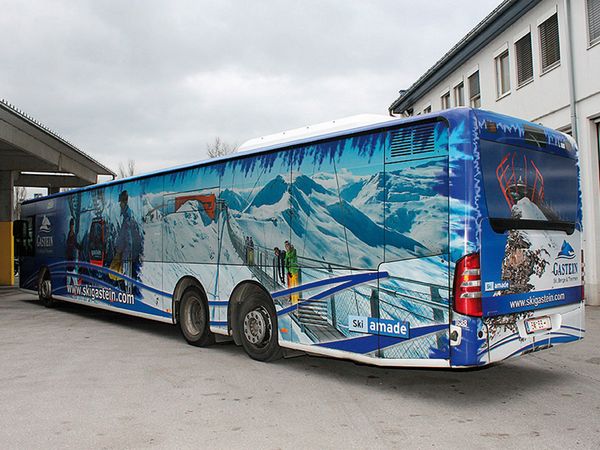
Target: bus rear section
[(524, 285)]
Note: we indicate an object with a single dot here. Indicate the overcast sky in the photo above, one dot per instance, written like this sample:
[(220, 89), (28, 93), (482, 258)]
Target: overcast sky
[(155, 81)]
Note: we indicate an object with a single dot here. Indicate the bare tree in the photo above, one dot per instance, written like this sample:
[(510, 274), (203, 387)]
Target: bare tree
[(20, 196), (219, 147), (126, 170)]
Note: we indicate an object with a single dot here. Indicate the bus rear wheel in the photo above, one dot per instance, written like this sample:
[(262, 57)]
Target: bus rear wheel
[(193, 318), (45, 289), (257, 325)]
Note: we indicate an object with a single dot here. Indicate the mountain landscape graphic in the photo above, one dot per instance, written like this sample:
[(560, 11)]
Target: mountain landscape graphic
[(345, 223)]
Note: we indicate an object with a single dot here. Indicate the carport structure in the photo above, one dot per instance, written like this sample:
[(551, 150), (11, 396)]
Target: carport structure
[(33, 156)]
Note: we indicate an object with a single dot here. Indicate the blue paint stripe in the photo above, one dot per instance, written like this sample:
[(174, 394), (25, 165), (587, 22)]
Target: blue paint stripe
[(350, 280), (501, 344), (217, 323), (137, 306), (372, 342), (335, 289), (111, 272), (356, 278), (218, 303), (555, 333), (89, 278), (573, 328), (558, 340)]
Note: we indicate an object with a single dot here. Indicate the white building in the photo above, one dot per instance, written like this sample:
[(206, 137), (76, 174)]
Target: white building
[(538, 60)]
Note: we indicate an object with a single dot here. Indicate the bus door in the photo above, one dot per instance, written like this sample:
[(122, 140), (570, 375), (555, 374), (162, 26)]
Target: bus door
[(414, 294), (531, 260)]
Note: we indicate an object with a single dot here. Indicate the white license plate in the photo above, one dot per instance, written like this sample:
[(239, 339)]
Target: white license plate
[(538, 324)]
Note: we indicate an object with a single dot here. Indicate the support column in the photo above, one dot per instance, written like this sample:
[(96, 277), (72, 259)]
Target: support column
[(7, 251)]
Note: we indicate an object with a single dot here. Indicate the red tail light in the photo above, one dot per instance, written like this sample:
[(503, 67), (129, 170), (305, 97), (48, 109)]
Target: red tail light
[(467, 286)]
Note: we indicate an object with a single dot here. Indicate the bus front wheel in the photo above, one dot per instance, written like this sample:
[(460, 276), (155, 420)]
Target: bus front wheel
[(45, 289), (257, 324), (193, 318)]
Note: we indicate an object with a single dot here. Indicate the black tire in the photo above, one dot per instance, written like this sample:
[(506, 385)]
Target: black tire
[(45, 289), (193, 318), (257, 326)]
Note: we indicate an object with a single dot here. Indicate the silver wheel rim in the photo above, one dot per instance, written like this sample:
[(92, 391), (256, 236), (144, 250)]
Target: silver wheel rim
[(46, 288), (194, 314), (257, 327)]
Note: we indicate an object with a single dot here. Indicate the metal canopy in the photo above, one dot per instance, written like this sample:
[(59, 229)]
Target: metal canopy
[(41, 158)]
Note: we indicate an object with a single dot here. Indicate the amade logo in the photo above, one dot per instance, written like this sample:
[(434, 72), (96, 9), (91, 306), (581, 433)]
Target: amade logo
[(382, 327)]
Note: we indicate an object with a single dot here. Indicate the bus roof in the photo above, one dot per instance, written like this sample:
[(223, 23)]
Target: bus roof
[(348, 127)]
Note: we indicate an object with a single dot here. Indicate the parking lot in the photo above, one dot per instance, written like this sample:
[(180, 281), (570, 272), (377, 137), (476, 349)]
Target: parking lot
[(76, 377)]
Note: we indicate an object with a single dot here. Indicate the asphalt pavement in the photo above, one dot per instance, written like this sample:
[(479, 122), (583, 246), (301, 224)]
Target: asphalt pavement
[(78, 377)]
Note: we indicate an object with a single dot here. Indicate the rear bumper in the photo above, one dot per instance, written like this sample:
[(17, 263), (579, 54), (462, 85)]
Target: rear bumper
[(494, 339), (507, 336)]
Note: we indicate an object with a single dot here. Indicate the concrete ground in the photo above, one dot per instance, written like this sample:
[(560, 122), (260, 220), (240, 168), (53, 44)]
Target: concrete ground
[(76, 377)]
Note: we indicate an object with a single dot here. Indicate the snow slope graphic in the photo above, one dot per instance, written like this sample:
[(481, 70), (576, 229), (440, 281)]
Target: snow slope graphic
[(529, 254)]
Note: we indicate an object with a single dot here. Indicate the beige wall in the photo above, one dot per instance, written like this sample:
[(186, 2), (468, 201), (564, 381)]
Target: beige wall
[(546, 100)]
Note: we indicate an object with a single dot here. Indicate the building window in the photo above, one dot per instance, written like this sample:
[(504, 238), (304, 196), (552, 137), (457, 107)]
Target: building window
[(459, 95), (427, 109), (502, 74), (446, 100), (474, 91), (524, 60), (593, 17), (549, 43)]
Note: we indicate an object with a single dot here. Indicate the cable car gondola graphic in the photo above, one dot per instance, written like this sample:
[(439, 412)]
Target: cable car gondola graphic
[(96, 242), (519, 178)]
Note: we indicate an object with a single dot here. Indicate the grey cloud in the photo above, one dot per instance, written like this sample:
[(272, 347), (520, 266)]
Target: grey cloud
[(156, 80)]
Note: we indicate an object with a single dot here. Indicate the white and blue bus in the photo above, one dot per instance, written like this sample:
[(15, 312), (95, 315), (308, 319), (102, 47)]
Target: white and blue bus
[(446, 240)]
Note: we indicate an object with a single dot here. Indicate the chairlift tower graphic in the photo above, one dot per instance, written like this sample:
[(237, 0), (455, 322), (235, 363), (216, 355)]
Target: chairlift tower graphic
[(519, 177)]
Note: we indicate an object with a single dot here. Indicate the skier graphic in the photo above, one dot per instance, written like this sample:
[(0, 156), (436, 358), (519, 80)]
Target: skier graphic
[(293, 270), (71, 254), (121, 261)]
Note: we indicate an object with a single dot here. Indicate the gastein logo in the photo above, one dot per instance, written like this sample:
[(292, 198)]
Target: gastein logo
[(566, 251), (44, 241), (46, 226), (565, 268)]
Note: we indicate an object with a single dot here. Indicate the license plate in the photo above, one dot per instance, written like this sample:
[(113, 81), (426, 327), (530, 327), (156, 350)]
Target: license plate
[(538, 324)]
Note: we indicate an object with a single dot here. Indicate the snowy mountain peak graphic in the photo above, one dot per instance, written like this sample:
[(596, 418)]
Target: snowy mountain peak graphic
[(566, 251), (272, 193)]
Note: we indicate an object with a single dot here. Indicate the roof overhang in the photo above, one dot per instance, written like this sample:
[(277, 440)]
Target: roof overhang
[(27, 146), (488, 29)]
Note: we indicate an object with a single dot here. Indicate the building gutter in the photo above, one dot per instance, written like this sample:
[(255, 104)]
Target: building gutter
[(571, 70)]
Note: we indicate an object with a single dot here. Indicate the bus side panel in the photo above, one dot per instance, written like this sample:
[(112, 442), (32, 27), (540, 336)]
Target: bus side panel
[(324, 206), (94, 245), (470, 349)]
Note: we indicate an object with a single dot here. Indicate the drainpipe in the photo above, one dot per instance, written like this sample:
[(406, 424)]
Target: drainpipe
[(571, 70)]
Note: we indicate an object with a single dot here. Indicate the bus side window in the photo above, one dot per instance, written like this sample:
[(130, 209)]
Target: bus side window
[(24, 239)]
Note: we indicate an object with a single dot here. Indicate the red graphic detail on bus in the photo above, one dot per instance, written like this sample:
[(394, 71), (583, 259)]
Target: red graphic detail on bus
[(519, 177), (96, 242), (208, 201)]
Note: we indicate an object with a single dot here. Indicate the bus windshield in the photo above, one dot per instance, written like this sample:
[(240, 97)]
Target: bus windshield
[(528, 188)]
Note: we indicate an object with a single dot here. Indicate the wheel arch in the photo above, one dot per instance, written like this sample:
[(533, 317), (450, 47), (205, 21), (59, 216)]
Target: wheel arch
[(43, 273), (181, 286), (239, 293)]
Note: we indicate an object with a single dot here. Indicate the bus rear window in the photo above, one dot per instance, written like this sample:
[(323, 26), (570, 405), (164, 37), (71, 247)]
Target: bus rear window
[(528, 188)]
